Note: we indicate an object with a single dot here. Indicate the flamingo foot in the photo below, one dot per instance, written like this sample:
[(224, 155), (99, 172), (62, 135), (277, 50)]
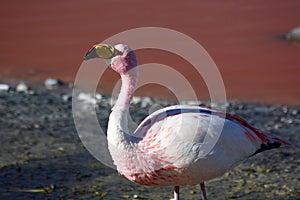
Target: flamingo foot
[(203, 192), (176, 192)]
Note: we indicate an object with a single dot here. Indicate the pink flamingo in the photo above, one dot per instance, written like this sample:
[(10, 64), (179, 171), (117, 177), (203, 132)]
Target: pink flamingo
[(162, 152)]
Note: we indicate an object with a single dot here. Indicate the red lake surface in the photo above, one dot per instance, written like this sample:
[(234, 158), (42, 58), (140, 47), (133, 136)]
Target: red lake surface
[(41, 39)]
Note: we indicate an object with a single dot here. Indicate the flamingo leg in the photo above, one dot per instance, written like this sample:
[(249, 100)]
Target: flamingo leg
[(203, 192), (176, 192)]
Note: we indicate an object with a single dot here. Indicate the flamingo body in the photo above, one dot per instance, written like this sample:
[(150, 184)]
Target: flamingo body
[(166, 154), (168, 147)]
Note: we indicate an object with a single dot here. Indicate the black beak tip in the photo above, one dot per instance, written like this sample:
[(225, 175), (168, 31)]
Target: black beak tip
[(86, 58), (91, 54)]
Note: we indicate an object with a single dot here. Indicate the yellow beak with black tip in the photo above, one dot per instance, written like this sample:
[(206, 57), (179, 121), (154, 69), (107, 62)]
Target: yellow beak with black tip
[(103, 51)]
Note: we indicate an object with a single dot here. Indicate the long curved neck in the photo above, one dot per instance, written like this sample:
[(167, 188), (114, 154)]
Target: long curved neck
[(129, 82), (117, 133)]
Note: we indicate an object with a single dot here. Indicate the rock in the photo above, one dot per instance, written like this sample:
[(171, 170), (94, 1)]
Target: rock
[(22, 87), (284, 109), (287, 120), (4, 87), (61, 149), (103, 194), (52, 83), (36, 126), (277, 126), (262, 170), (294, 35), (191, 102), (87, 98), (146, 101), (98, 96), (66, 97), (136, 100), (31, 92), (294, 112)]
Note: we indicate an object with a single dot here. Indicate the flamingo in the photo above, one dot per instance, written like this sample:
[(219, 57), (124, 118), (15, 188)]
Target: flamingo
[(162, 151)]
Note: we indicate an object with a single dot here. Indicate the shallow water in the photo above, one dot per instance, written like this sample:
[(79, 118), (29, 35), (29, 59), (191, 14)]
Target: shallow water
[(245, 39)]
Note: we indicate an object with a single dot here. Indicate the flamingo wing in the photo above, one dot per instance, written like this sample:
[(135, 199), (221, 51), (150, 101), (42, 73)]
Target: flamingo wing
[(171, 142)]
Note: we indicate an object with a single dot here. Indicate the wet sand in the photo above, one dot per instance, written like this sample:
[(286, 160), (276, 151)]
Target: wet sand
[(42, 156), (245, 39)]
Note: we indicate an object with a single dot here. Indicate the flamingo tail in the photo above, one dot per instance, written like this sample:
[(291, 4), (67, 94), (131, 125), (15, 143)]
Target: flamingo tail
[(269, 141)]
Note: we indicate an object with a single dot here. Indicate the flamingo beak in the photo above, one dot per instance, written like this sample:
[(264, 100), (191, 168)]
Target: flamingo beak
[(103, 51)]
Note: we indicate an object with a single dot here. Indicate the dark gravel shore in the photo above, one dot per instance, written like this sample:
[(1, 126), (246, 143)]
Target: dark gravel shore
[(42, 156)]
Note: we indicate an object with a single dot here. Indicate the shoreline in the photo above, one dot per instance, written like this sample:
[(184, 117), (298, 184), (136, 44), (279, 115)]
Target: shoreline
[(39, 84)]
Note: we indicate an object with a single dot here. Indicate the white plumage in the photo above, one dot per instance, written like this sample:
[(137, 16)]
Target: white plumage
[(171, 146)]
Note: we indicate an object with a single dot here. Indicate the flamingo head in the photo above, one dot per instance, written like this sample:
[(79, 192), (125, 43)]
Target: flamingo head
[(119, 57)]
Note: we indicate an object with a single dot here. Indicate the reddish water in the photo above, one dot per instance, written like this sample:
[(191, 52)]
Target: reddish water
[(39, 39)]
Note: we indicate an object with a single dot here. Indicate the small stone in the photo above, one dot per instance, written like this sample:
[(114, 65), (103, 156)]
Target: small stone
[(285, 109), (36, 126), (103, 194), (4, 87), (263, 170), (136, 100), (22, 87), (31, 92), (66, 97), (146, 101), (192, 192), (87, 98), (191, 103), (294, 112), (74, 189), (241, 107), (227, 174), (294, 35), (277, 126), (286, 120), (252, 176), (60, 149), (98, 96), (52, 83)]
